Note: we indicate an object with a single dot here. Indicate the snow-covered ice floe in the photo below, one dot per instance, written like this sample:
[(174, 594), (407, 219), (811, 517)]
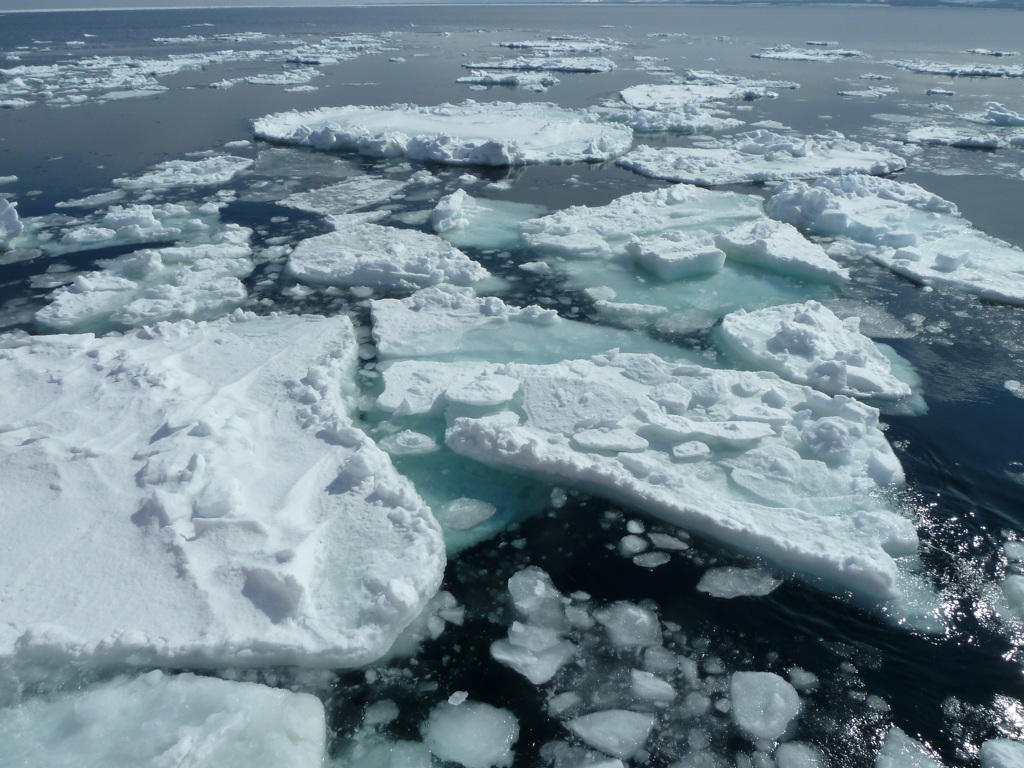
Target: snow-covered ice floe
[(209, 171), (877, 92), (469, 133), (761, 155), (464, 220), (527, 80), (583, 64), (245, 520), (704, 77), (672, 97), (807, 344), (947, 136), (907, 229), (745, 459), (996, 114), (687, 119), (561, 45), (959, 70), (158, 719), (10, 225), (345, 196), (360, 253), (789, 53)]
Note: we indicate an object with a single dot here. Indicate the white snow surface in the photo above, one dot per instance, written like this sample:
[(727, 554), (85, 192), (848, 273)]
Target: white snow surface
[(469, 133), (10, 226), (1002, 753), (789, 473), (161, 720), (209, 171), (728, 582), (360, 253), (807, 344), (901, 751), (779, 247), (907, 229), (673, 97), (472, 734), (763, 704), (761, 155), (245, 520)]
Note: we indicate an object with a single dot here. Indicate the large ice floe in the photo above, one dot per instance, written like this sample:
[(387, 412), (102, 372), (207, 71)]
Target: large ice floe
[(948, 136), (807, 344), (10, 225), (469, 133), (160, 719), (907, 229), (584, 64), (959, 70), (761, 155), (360, 253), (669, 97), (745, 459), (535, 81), (681, 257), (212, 506), (789, 53)]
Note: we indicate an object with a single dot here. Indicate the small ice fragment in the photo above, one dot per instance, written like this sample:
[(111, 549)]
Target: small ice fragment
[(1002, 753), (463, 514), (632, 545), (901, 751), (763, 704), (729, 582), (650, 687), (472, 734), (628, 625), (616, 732), (651, 559), (797, 754), (458, 698)]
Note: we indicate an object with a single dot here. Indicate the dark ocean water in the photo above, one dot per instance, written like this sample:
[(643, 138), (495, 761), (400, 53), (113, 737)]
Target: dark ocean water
[(964, 459)]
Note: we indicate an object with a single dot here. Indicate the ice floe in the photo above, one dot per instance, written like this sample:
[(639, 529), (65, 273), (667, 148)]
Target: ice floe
[(702, 77), (764, 705), (620, 733), (778, 247), (1002, 753), (245, 520), (346, 196), (959, 70), (688, 118), (669, 98), (469, 133), (878, 92), (807, 344), (210, 171), (953, 137), (536, 81), (196, 282), (729, 582), (789, 53), (901, 751), (761, 155), (789, 473), (160, 719), (464, 220), (360, 253), (472, 734), (561, 45), (10, 225), (584, 64), (907, 229), (998, 115)]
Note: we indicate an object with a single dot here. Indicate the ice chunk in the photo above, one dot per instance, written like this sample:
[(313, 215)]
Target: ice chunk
[(676, 255), (672, 98), (562, 44), (10, 226), (527, 80), (630, 626), (761, 155), (345, 196), (959, 70), (909, 230), (901, 751), (472, 734), (729, 582), (365, 254), (161, 719), (779, 247), (239, 552), (463, 514), (876, 92), (763, 704), (789, 53), (791, 473), (548, 64), (209, 171), (807, 344), (689, 118), (616, 732), (952, 137), (467, 221), (650, 687), (996, 114), (1002, 753), (796, 754), (457, 134)]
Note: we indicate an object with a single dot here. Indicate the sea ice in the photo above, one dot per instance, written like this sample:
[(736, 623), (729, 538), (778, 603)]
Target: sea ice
[(244, 519), (959, 70), (778, 247), (728, 582), (761, 155), (528, 80), (209, 171), (559, 46), (998, 115), (807, 344), (616, 732), (901, 751), (907, 229), (701, 77), (344, 197), (789, 53), (629, 625), (1002, 753), (467, 221), (675, 97), (790, 474), (548, 64), (877, 92), (158, 719), (689, 118), (197, 282), (360, 253), (796, 754), (10, 226), (763, 704), (472, 734), (469, 133), (942, 135)]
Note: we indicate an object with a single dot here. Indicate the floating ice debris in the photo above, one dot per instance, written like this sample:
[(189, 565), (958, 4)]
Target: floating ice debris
[(528, 80), (761, 156), (629, 625), (585, 64), (463, 514), (959, 70), (952, 137), (561, 46), (778, 247), (763, 704), (688, 119), (189, 173), (716, 78), (464, 220), (796, 754), (672, 98), (878, 92), (728, 582), (197, 282), (996, 114), (824, 43), (616, 732), (1002, 753), (155, 718), (789, 53), (472, 734), (940, 92), (990, 52), (807, 344), (365, 254), (789, 476), (908, 229), (458, 134), (345, 196), (10, 226), (298, 76), (901, 751), (239, 553), (93, 201), (8, 179)]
